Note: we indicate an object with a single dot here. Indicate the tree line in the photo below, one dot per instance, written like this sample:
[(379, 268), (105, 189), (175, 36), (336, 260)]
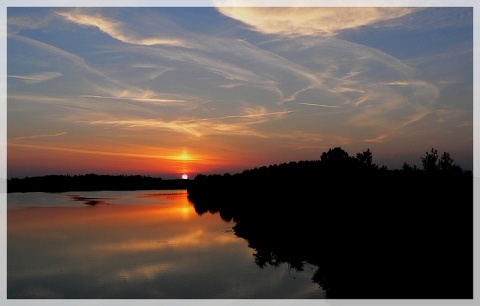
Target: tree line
[(92, 182), (335, 168), (369, 231)]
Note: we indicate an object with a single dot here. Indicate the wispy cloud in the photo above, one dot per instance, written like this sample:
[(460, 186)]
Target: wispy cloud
[(312, 21), (405, 83), (77, 62), (345, 75), (320, 105), (37, 77), (198, 127), (117, 29), (31, 20), (378, 139), (250, 113), (143, 98), (40, 136), (398, 129)]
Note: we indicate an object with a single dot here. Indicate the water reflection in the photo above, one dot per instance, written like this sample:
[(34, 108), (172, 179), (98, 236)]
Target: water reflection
[(88, 201), (360, 247), (134, 245)]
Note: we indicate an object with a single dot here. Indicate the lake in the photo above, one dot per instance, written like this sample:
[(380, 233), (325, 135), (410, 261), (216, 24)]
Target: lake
[(135, 244)]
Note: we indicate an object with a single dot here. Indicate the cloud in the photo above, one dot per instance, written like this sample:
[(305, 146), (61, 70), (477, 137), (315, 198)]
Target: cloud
[(255, 113), (91, 84), (319, 105), (37, 20), (228, 86), (56, 55), (225, 86), (148, 97), (311, 21), (117, 29), (198, 127), (41, 136), (397, 130), (37, 77)]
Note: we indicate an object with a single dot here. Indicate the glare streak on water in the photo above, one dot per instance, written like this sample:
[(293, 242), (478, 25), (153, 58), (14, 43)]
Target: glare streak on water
[(134, 244)]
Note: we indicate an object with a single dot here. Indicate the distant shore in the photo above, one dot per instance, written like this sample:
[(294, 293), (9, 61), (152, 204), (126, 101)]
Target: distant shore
[(92, 182)]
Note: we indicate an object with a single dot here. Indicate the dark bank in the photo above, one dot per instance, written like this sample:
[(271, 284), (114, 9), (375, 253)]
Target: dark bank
[(371, 232)]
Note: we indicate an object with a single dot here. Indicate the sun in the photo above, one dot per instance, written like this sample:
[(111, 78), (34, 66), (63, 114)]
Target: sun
[(184, 176)]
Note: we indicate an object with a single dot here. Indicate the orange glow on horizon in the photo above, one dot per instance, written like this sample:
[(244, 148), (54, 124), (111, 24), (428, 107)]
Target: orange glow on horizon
[(184, 156), (74, 159)]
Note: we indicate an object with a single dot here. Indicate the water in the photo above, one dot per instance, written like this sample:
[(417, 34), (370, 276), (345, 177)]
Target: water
[(135, 244)]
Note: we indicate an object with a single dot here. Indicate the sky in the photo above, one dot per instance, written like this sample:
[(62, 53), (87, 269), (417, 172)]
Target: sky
[(166, 91)]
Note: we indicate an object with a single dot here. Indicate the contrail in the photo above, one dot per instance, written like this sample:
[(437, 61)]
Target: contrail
[(40, 136), (319, 105)]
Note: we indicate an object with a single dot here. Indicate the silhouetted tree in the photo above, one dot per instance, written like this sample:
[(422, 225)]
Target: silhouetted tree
[(366, 157), (429, 162), (445, 163), (407, 167), (432, 162), (335, 154)]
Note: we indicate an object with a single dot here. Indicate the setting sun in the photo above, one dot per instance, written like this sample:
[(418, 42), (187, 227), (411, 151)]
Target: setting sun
[(184, 176)]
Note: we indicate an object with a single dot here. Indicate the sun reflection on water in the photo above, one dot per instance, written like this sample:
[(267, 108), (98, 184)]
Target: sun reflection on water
[(156, 240)]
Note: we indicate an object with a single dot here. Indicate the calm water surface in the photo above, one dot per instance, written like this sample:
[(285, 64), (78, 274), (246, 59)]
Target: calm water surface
[(134, 244)]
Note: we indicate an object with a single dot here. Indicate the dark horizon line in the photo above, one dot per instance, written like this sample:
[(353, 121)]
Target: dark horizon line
[(97, 174), (165, 177), (171, 178)]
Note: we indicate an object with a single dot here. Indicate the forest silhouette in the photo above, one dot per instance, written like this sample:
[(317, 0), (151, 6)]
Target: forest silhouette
[(92, 182), (371, 232)]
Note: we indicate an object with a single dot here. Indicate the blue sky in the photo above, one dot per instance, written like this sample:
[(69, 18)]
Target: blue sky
[(164, 91)]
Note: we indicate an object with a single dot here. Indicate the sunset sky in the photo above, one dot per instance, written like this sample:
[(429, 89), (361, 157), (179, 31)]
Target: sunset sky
[(165, 91)]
